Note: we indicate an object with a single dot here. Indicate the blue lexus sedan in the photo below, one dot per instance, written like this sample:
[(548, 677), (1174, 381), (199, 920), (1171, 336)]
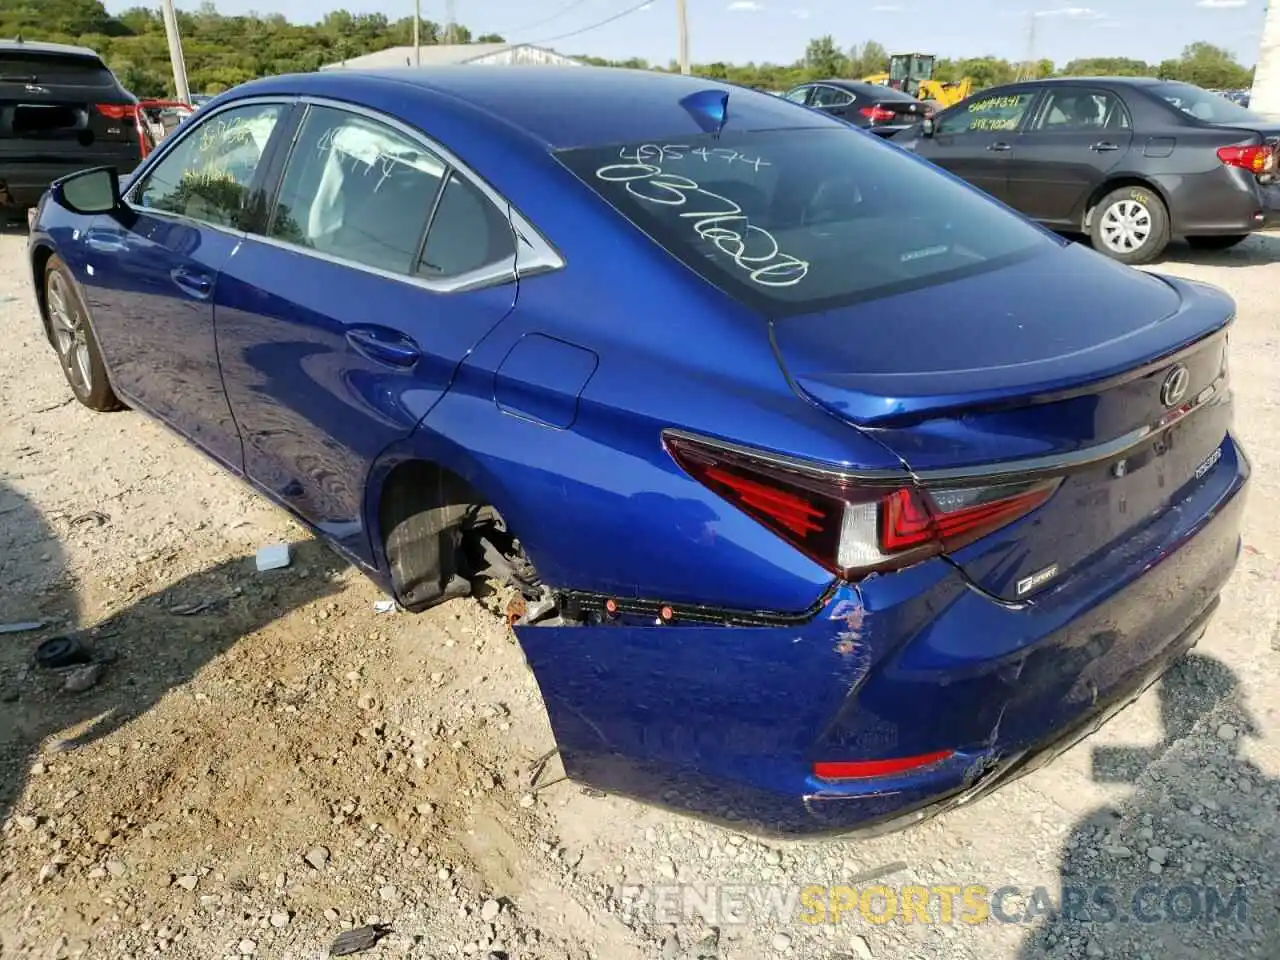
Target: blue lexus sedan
[(836, 492)]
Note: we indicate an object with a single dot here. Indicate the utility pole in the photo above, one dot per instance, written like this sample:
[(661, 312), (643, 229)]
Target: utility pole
[(450, 30), (175, 51), (682, 24), (417, 33)]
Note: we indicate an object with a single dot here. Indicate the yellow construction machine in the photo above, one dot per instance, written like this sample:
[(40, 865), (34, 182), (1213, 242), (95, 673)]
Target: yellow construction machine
[(913, 73)]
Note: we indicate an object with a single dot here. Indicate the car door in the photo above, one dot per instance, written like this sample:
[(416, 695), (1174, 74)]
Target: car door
[(339, 325), (1078, 136), (152, 272), (975, 138)]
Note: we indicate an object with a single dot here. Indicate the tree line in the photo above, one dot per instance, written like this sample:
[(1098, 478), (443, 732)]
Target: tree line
[(222, 51)]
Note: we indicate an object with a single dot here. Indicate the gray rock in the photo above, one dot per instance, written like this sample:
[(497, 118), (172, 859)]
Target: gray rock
[(116, 868), (1158, 855), (188, 882), (83, 678), (781, 942), (1226, 732), (860, 947), (248, 947), (280, 920), (489, 910), (317, 857)]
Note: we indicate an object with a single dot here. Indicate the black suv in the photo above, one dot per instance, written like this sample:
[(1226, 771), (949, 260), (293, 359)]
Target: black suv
[(61, 110)]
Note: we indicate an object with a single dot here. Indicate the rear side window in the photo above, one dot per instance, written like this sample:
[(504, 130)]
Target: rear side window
[(1073, 110), (54, 70), (357, 189), (803, 220), (468, 233), (208, 174)]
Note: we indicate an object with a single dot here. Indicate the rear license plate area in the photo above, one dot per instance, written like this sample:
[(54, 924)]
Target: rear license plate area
[(43, 119)]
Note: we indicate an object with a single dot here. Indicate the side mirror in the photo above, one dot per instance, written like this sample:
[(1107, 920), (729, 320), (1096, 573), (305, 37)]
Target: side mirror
[(89, 191), (926, 126)]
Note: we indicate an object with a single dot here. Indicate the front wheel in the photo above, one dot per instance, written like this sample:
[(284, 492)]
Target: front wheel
[(73, 340), (1130, 225), (1217, 241)]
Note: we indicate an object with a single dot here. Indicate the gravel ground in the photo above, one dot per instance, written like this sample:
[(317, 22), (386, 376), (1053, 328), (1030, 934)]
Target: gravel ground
[(265, 761)]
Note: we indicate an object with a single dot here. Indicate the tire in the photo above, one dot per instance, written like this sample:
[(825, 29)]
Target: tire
[(1218, 241), (1131, 225), (72, 337)]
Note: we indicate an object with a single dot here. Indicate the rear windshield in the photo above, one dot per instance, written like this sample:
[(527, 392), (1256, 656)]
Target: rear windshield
[(54, 70), (1203, 105), (794, 221)]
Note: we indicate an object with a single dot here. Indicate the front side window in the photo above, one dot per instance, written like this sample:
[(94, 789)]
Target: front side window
[(796, 221), (208, 174), (798, 95), (1074, 110), (987, 113), (358, 190)]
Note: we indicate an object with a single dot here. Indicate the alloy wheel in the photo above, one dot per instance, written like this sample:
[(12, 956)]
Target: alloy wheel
[(70, 335)]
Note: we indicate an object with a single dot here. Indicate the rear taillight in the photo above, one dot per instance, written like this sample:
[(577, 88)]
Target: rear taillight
[(854, 527), (130, 112), (1258, 159), (117, 111), (877, 114)]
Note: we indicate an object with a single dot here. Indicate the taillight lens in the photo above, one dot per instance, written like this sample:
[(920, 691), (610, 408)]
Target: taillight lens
[(851, 527), (1258, 159), (877, 114), (117, 111)]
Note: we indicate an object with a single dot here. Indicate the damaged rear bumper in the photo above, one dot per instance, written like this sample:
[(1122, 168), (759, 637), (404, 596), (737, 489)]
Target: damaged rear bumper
[(727, 723)]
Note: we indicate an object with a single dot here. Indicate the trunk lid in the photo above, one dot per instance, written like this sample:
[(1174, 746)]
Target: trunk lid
[(1062, 359), (56, 106), (889, 116)]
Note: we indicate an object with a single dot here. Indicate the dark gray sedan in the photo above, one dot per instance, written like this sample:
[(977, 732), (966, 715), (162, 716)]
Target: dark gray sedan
[(1132, 161)]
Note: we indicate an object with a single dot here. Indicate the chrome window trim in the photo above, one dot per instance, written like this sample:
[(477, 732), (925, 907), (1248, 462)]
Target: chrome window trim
[(1006, 470), (171, 143)]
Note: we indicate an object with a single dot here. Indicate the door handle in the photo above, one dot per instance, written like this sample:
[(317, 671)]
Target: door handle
[(199, 285), (1104, 147), (1000, 147), (384, 345)]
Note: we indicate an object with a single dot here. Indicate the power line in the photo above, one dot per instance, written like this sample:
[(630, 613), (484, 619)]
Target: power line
[(559, 13), (595, 26)]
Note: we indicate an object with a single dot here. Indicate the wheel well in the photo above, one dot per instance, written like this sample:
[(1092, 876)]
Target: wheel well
[(439, 533), (40, 258), (1116, 184)]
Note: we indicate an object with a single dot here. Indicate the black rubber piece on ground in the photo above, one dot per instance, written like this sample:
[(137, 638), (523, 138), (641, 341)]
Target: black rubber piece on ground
[(58, 652)]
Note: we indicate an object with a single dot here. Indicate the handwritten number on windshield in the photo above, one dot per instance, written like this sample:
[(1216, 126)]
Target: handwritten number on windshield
[(723, 223)]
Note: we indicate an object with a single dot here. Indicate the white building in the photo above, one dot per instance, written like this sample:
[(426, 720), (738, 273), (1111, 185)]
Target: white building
[(437, 55)]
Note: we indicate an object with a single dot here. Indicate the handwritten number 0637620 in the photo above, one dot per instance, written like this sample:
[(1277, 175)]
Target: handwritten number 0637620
[(723, 223)]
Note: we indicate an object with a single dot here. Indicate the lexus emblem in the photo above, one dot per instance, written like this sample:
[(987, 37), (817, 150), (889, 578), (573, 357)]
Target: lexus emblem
[(1174, 387)]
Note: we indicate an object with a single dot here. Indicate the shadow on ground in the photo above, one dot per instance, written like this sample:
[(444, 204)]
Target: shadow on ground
[(1181, 871), (1257, 250), (149, 648)]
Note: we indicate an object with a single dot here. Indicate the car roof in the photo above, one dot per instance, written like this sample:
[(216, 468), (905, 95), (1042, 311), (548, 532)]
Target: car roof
[(1115, 81), (38, 47), (561, 106)]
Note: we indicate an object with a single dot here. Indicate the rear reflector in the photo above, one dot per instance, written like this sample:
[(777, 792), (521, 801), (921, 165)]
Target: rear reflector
[(1258, 159), (849, 526), (877, 114), (863, 769)]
